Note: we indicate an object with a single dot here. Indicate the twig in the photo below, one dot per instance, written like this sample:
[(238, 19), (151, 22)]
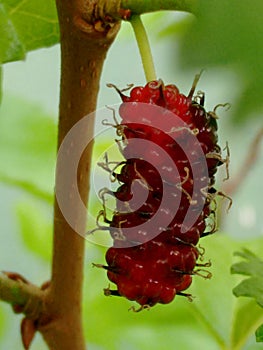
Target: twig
[(19, 293), (233, 185)]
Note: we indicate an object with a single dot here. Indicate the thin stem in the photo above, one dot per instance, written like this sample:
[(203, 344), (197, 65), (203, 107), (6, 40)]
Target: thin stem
[(19, 293), (144, 48), (249, 161)]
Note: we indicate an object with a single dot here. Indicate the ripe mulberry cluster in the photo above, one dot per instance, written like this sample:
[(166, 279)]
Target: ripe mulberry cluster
[(169, 143)]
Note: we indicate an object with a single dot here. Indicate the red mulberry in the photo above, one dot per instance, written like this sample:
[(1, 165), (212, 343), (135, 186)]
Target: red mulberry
[(169, 143)]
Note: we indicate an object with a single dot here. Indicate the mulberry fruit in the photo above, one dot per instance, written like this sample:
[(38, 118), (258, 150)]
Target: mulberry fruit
[(166, 192)]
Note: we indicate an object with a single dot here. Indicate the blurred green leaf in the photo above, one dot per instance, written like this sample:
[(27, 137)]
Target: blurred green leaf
[(211, 319), (176, 27), (27, 147), (214, 303), (259, 334), (226, 32), (26, 25), (2, 319), (126, 329), (250, 287), (35, 229), (1, 84), (229, 34), (28, 187), (243, 326), (11, 48)]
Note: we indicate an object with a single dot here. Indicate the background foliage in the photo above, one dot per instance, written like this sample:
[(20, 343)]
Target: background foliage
[(225, 40)]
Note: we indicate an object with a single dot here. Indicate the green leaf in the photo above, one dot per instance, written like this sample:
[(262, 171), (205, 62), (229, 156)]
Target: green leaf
[(253, 286), (26, 25), (35, 228), (253, 265), (11, 48), (259, 334), (229, 34), (27, 147)]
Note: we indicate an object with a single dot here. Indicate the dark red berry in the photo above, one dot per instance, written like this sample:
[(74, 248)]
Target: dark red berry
[(171, 156)]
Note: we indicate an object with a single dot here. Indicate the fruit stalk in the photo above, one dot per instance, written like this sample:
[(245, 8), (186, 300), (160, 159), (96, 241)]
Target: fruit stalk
[(144, 48)]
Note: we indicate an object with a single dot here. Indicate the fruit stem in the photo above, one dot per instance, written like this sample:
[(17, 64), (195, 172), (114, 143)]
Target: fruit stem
[(144, 48)]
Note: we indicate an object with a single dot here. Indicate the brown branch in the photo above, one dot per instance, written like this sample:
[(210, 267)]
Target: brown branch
[(139, 7), (232, 186), (125, 9), (83, 49)]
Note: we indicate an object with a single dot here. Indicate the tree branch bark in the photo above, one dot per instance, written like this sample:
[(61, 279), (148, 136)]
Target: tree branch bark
[(83, 49), (125, 9), (253, 152), (138, 7)]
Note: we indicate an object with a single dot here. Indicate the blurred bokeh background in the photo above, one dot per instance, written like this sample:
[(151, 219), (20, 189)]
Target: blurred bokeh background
[(28, 120)]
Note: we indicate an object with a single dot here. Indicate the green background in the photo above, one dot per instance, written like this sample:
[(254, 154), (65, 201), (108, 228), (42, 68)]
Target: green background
[(182, 46)]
